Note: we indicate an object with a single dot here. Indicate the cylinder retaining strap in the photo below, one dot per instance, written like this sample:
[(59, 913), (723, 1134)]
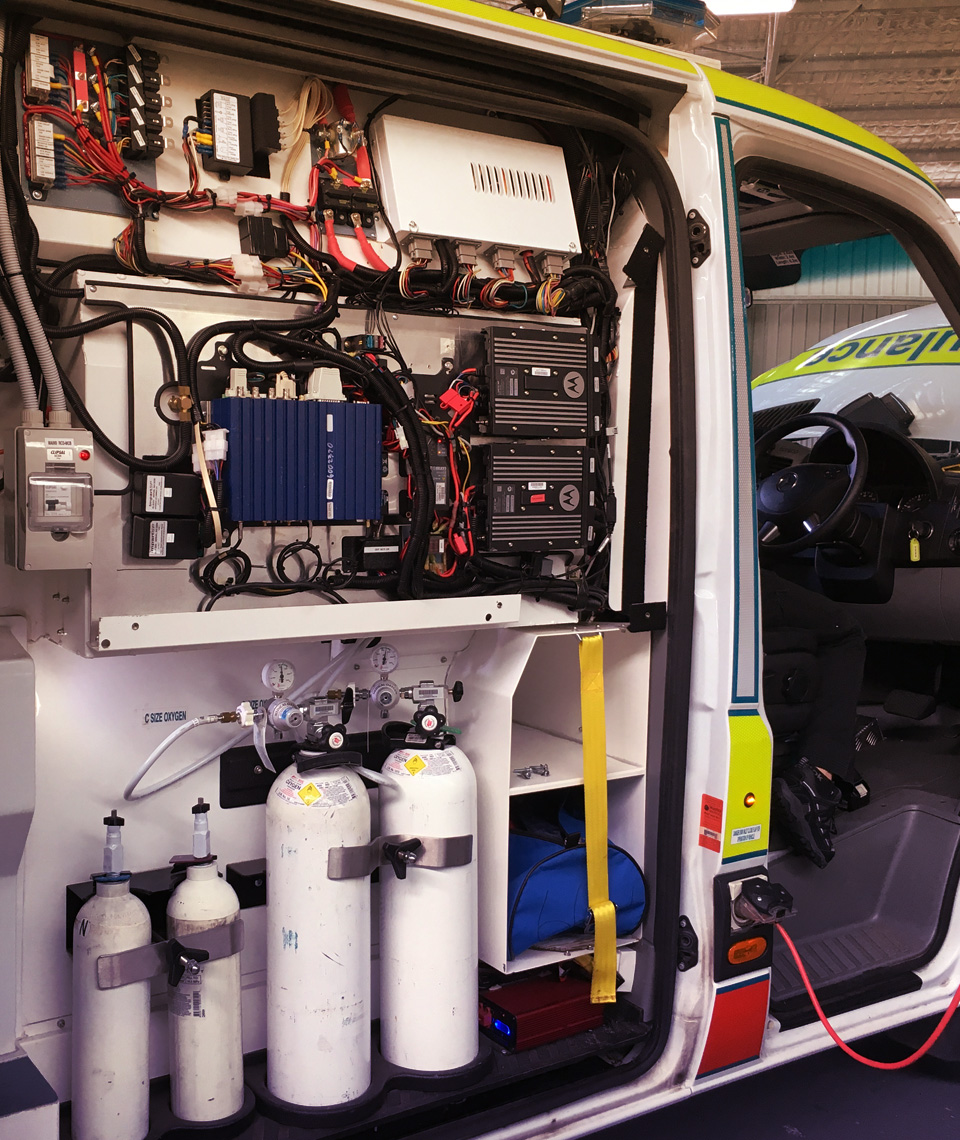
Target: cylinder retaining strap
[(603, 987)]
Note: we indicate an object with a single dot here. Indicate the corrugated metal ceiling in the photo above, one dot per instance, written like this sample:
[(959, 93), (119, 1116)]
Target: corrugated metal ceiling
[(892, 67)]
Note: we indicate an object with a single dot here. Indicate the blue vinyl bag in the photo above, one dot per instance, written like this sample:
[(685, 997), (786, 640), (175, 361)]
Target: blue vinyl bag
[(547, 885)]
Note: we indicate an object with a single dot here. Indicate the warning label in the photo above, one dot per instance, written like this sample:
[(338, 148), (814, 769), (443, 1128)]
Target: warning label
[(439, 763), (308, 793), (156, 484), (711, 822), (329, 793)]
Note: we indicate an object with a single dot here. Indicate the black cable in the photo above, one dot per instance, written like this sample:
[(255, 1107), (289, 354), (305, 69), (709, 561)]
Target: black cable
[(293, 550)]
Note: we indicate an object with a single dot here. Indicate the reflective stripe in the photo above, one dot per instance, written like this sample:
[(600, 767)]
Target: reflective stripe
[(746, 645), (566, 32), (745, 829), (751, 96), (939, 345)]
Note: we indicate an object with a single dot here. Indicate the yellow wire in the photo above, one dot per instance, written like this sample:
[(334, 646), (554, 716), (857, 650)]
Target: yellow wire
[(320, 281)]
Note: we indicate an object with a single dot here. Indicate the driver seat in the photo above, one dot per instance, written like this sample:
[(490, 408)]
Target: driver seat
[(791, 681)]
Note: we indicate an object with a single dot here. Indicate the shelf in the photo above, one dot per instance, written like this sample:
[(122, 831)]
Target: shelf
[(537, 959), (564, 758), (137, 632)]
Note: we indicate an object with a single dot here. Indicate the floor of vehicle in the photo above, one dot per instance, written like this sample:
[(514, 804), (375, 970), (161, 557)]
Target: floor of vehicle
[(877, 909)]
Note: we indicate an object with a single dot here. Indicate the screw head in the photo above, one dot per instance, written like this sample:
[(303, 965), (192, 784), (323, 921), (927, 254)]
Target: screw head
[(572, 246), (36, 195), (92, 288), (414, 227), (258, 769), (61, 1023)]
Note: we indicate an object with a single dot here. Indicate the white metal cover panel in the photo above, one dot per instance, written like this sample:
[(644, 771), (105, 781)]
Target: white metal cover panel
[(443, 181)]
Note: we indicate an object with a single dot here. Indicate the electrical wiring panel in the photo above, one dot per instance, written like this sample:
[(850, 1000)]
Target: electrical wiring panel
[(378, 367)]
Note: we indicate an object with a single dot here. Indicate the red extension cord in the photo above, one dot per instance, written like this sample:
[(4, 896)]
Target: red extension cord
[(941, 1024)]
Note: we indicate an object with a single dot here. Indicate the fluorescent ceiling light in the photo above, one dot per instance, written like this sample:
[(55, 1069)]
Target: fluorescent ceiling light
[(954, 204), (749, 7)]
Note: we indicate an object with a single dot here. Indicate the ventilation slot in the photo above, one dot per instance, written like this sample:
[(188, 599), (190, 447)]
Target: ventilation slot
[(507, 182)]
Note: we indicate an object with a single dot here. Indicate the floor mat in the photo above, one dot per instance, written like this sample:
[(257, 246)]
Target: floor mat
[(878, 903)]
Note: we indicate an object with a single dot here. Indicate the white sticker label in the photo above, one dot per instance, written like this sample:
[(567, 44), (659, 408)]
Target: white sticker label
[(539, 371), (226, 127), (158, 539), (428, 762), (312, 789), (329, 510), (155, 494), (788, 257), (57, 441), (329, 488), (60, 455), (381, 550), (329, 421), (746, 834), (537, 486)]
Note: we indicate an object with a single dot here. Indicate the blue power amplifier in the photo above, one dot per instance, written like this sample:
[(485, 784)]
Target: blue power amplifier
[(300, 460)]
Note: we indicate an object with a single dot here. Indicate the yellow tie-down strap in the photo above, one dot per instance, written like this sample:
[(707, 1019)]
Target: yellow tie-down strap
[(603, 987)]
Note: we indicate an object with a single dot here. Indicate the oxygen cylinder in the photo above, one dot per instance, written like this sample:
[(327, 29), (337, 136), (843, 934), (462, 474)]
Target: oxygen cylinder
[(111, 1028), (206, 1046), (318, 940), (428, 920)]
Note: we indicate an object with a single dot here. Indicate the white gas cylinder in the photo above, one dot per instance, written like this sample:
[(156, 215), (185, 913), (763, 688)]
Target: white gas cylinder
[(428, 920), (111, 1028), (318, 940), (206, 1045)]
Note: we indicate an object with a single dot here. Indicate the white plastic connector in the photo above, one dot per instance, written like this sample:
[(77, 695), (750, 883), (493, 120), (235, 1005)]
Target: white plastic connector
[(226, 198), (32, 417), (214, 448), (60, 419), (284, 387), (246, 714), (249, 272), (248, 208), (324, 384), (238, 383)]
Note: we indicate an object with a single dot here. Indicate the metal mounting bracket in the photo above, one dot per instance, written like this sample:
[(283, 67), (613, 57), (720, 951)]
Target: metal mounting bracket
[(151, 961), (699, 234), (433, 854)]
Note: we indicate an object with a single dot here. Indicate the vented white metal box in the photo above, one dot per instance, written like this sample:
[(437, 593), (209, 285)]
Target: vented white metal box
[(442, 181)]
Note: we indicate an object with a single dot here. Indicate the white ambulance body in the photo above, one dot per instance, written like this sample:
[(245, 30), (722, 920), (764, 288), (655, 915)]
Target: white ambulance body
[(413, 370)]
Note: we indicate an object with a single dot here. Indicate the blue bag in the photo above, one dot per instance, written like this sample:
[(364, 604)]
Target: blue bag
[(547, 884)]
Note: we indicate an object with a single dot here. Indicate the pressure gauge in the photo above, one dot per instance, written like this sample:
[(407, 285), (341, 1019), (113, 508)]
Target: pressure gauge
[(384, 658), (277, 676)]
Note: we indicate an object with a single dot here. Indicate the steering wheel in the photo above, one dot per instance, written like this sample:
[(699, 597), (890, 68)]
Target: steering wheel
[(803, 505)]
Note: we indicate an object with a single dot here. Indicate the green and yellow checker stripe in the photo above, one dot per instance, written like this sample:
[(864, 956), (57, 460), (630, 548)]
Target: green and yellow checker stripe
[(939, 345)]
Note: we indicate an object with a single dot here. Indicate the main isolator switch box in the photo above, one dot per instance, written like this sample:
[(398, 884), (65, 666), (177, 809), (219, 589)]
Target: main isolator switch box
[(53, 499)]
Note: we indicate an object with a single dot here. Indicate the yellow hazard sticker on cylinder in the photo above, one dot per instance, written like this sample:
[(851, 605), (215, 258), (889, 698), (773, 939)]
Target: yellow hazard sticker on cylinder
[(309, 793), (415, 764)]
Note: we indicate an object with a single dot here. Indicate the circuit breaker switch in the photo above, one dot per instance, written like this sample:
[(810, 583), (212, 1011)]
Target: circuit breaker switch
[(60, 502)]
